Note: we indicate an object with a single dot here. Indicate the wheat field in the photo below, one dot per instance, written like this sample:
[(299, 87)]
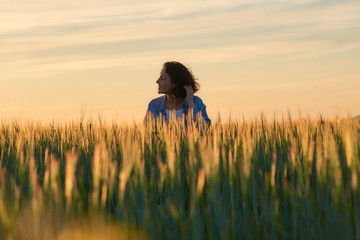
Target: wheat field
[(259, 179)]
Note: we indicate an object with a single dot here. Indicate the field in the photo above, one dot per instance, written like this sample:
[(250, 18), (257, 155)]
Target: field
[(284, 179)]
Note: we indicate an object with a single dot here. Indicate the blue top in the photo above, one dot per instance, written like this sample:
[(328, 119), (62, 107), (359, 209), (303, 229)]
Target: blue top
[(157, 107)]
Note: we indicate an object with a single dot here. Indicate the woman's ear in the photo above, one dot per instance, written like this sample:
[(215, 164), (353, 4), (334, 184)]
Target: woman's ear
[(180, 92)]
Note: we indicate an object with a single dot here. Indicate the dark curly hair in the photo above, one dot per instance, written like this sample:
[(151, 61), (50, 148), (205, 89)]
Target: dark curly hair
[(180, 76)]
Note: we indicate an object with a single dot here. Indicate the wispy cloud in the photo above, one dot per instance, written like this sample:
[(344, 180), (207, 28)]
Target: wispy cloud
[(233, 23)]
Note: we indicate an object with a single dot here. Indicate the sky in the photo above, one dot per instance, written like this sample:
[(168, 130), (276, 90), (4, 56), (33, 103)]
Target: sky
[(59, 59)]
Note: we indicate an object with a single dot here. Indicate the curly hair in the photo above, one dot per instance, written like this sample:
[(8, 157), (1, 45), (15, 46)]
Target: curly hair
[(181, 76)]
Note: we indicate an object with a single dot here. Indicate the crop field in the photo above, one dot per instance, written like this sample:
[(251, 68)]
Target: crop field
[(284, 179)]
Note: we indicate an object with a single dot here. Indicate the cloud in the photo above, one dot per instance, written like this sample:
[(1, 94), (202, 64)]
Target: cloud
[(41, 37)]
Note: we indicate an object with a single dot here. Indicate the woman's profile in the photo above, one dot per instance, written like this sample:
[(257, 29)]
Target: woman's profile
[(179, 85)]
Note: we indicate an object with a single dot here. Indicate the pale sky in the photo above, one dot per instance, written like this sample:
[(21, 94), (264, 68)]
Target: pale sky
[(249, 56)]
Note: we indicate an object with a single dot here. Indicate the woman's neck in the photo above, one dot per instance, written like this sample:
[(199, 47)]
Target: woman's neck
[(173, 103)]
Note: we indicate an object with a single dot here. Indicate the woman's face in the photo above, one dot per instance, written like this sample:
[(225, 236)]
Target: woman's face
[(164, 82)]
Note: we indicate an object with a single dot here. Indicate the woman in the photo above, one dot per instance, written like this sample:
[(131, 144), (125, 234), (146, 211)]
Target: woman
[(179, 85)]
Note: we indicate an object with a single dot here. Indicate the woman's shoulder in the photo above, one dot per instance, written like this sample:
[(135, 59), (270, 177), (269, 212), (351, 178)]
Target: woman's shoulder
[(157, 101), (197, 100)]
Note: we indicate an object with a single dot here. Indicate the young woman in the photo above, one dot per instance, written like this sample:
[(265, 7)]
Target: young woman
[(179, 85)]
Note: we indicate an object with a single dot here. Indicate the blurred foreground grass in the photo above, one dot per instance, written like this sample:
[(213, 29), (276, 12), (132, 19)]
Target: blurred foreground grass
[(289, 179)]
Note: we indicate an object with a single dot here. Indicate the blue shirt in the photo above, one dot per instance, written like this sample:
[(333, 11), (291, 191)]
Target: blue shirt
[(157, 108)]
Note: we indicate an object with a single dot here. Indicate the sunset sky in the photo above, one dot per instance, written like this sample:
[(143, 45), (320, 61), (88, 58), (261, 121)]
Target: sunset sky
[(57, 57)]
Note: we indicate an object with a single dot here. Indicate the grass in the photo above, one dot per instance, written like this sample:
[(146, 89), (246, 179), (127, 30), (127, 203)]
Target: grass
[(288, 179)]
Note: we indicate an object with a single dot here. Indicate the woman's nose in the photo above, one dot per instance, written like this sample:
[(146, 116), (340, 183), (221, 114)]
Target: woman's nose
[(157, 81)]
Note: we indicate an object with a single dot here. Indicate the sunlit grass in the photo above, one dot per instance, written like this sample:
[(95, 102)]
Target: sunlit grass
[(289, 179)]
